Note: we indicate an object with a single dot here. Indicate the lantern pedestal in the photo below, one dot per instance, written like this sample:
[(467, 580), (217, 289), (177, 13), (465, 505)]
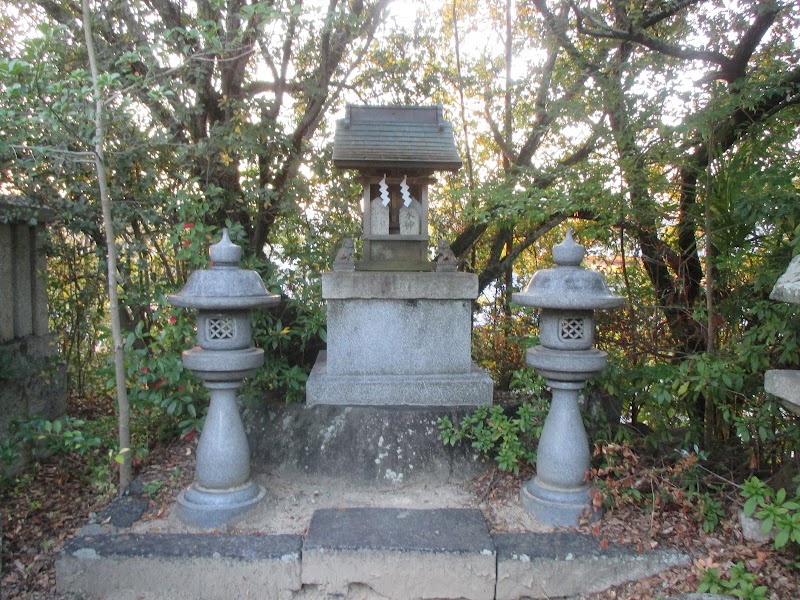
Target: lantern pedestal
[(208, 509), (558, 493), (222, 489)]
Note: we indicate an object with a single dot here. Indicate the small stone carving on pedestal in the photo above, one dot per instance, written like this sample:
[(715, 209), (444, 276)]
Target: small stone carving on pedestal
[(344, 260), (568, 295), (446, 261), (224, 295)]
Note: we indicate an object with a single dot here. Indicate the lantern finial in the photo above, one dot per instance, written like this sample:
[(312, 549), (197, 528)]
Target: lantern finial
[(225, 253), (568, 253)]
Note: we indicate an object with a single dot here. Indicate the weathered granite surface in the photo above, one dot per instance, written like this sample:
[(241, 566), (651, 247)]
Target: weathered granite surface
[(785, 384), (787, 288), (358, 443), (398, 338)]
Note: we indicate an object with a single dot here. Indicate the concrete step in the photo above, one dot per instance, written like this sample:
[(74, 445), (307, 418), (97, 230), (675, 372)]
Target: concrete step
[(177, 566), (442, 553), (563, 564), (358, 553)]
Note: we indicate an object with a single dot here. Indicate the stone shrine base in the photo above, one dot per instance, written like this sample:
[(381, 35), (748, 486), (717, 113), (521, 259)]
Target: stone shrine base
[(438, 389), (398, 338), (359, 444)]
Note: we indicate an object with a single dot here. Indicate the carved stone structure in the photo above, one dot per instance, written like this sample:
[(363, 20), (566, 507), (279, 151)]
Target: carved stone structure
[(224, 296), (785, 383), (568, 294), (398, 327), (32, 378)]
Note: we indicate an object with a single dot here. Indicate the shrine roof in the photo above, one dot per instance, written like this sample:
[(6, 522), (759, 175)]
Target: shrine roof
[(412, 137)]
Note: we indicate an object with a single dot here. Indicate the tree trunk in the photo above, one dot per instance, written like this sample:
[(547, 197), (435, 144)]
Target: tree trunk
[(123, 409)]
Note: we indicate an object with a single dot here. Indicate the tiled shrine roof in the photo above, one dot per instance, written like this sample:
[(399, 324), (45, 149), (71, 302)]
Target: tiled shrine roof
[(401, 137)]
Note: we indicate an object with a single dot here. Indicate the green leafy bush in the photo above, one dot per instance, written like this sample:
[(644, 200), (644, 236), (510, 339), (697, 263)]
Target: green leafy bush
[(499, 347), (510, 439), (775, 509), (66, 434), (740, 583)]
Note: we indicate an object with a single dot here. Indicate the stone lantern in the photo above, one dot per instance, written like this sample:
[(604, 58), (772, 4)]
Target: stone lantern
[(223, 295), (568, 294)]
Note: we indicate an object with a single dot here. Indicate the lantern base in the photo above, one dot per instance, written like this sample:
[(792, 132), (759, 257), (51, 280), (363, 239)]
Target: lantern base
[(562, 508), (223, 365), (207, 508)]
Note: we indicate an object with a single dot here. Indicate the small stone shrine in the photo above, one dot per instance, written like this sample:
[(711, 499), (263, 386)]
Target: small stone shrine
[(399, 324)]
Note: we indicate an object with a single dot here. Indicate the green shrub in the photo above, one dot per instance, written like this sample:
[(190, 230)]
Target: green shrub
[(509, 439), (740, 583), (775, 509)]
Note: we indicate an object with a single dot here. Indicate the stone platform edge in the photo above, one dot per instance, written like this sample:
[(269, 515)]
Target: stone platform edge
[(457, 389), (399, 285), (445, 552)]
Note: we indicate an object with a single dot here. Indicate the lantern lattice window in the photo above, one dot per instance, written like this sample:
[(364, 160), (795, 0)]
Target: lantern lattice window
[(221, 328), (571, 329)]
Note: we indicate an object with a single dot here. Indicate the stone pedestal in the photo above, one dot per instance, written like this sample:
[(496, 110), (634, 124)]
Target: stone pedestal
[(398, 338), (558, 493), (222, 489)]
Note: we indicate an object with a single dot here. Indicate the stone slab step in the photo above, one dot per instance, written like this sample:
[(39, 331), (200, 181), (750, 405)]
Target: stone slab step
[(564, 564), (357, 553), (397, 553), (177, 566)]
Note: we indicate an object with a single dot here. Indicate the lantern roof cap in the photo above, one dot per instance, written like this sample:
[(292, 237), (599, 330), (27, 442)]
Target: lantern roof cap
[(224, 285), (404, 138), (567, 285)]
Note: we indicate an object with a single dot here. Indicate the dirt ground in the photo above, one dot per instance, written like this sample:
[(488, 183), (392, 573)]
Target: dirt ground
[(292, 499)]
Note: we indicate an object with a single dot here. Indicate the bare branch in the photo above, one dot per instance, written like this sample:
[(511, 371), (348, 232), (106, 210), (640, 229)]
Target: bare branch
[(558, 27), (765, 18), (495, 269), (604, 31), (669, 10)]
